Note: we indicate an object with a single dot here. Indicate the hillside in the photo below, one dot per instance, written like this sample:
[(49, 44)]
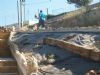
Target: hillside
[(83, 17)]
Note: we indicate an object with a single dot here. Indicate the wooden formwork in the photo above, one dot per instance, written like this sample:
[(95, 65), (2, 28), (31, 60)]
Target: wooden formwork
[(95, 55), (85, 52)]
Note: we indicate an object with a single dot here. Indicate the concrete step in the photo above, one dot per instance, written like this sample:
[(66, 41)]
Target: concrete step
[(5, 46), (9, 74), (8, 69), (5, 53), (8, 62), (8, 66)]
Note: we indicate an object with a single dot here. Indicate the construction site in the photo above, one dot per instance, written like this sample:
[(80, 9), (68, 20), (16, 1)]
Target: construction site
[(70, 45)]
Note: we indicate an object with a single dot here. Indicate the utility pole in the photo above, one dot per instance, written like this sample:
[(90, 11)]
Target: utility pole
[(47, 11), (5, 21), (24, 11), (18, 14), (21, 14), (38, 11)]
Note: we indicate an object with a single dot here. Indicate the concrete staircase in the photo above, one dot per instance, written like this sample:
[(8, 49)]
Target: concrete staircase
[(8, 65)]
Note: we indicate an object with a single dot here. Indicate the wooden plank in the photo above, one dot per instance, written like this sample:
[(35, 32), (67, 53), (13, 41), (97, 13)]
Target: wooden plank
[(85, 52)]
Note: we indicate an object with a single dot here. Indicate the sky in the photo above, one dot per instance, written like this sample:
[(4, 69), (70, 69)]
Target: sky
[(8, 9)]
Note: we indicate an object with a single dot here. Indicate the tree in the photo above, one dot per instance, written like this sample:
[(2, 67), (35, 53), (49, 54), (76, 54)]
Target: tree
[(79, 3)]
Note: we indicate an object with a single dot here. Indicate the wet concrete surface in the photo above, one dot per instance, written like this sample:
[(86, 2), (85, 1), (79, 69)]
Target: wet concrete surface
[(66, 63)]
